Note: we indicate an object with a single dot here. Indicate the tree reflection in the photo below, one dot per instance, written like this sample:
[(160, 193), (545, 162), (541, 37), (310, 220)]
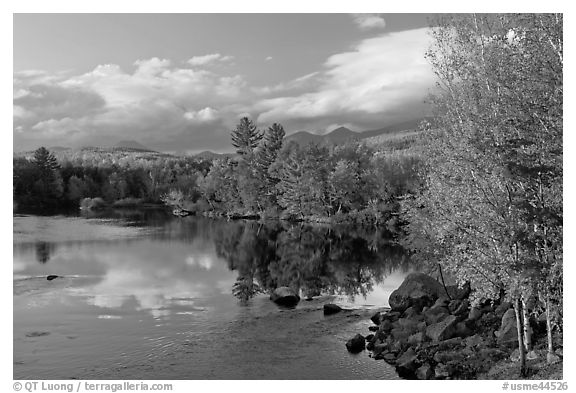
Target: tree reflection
[(43, 251), (310, 259)]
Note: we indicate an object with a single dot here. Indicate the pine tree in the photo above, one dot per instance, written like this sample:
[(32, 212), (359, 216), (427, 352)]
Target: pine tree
[(245, 137)]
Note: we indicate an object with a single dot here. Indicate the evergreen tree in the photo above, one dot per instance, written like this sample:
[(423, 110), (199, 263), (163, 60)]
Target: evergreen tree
[(245, 137)]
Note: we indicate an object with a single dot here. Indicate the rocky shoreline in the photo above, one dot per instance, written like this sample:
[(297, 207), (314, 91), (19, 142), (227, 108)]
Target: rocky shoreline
[(432, 332)]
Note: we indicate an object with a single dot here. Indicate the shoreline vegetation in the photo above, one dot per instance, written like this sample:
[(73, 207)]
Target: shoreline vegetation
[(476, 193), (434, 331)]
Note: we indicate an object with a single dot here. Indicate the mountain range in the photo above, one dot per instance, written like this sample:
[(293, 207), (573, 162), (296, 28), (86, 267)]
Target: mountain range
[(343, 134)]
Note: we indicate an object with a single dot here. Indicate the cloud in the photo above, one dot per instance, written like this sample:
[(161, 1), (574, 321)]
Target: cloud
[(157, 104), (379, 81), (369, 21), (207, 59), (384, 78)]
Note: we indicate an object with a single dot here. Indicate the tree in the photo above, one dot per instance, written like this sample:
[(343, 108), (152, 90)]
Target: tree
[(245, 137), (49, 186), (491, 211)]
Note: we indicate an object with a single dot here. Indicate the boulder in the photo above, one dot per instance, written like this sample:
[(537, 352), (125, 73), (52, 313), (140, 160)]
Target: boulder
[(448, 356), (386, 326), (435, 314), (442, 330), (441, 371), (451, 343), (475, 314), (442, 301), (424, 372), (377, 318), (406, 364), (473, 341), (508, 333), (330, 309), (552, 358), (417, 288), (408, 324), (461, 309), (416, 338), (462, 330), (502, 308), (400, 334), (285, 296), (51, 277), (411, 312), (356, 344)]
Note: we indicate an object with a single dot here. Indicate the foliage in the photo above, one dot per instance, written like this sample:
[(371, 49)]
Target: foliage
[(491, 210)]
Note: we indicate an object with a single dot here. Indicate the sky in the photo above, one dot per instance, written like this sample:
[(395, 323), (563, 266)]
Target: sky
[(180, 82)]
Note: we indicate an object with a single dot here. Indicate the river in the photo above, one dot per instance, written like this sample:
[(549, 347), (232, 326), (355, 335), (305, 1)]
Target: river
[(143, 295)]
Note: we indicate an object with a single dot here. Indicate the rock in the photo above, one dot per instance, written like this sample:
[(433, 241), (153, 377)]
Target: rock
[(369, 337), (424, 372), (373, 328), (392, 316), (399, 334), (453, 305), (508, 333), (491, 354), (532, 355), (356, 344), (411, 312), (461, 309), (379, 348), (435, 314), (409, 325), (406, 364), (377, 318), (51, 277), (515, 355), (417, 288), (380, 317), (386, 326), (462, 330), (502, 308), (442, 301), (441, 371), (442, 330), (449, 356), (552, 358), (451, 343), (330, 309), (416, 338), (285, 296), (389, 357), (37, 334), (473, 341), (474, 314)]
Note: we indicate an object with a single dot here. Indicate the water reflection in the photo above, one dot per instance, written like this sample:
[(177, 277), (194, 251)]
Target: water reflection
[(311, 259), (148, 259), (43, 251), (135, 287)]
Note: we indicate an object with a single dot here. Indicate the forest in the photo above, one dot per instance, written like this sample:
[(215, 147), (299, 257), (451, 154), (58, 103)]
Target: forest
[(478, 192)]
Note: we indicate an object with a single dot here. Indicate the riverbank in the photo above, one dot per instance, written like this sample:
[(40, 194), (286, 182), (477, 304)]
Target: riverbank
[(433, 334)]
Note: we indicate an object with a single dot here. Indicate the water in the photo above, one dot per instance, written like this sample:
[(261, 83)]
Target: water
[(142, 295)]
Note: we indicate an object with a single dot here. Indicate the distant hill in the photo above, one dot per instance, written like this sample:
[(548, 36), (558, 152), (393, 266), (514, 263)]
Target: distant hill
[(210, 155), (132, 145), (58, 148), (343, 134)]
